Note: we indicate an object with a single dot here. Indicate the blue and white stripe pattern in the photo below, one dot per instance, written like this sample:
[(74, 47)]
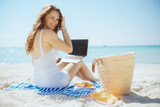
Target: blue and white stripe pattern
[(70, 90)]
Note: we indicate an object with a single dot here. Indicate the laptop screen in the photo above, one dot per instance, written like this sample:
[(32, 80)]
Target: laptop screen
[(80, 47)]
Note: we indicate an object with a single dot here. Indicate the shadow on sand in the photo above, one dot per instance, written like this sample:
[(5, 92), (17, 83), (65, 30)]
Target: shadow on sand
[(135, 98)]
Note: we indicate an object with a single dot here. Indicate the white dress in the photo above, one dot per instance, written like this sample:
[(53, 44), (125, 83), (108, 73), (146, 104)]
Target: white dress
[(46, 71)]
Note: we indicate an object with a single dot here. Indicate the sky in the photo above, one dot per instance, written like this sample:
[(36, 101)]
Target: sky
[(103, 22)]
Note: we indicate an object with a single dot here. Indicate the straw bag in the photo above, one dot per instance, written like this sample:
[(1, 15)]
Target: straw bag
[(115, 72)]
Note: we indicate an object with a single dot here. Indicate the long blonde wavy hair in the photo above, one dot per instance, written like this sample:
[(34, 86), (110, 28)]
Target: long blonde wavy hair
[(40, 24)]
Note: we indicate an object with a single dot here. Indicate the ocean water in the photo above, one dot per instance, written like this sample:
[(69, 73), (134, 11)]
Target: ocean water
[(144, 54)]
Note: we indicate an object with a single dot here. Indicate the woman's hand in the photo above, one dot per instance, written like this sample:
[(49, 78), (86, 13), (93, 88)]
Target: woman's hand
[(63, 22), (58, 60)]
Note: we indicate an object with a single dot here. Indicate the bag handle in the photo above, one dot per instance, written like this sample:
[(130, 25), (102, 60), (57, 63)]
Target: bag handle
[(94, 63)]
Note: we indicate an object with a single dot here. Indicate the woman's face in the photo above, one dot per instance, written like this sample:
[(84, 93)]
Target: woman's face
[(51, 20)]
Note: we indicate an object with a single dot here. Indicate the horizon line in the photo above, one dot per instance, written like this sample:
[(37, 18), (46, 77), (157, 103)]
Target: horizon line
[(88, 46)]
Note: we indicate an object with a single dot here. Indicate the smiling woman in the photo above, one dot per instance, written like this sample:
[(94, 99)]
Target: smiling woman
[(42, 21), (43, 45), (51, 20)]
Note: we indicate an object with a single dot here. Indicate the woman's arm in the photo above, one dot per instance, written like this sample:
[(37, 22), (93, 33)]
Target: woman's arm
[(64, 45), (66, 37), (52, 38)]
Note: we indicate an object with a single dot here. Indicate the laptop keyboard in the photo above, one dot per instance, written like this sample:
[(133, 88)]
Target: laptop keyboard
[(73, 57)]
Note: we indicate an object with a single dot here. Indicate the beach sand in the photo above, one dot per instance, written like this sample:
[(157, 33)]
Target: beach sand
[(145, 89)]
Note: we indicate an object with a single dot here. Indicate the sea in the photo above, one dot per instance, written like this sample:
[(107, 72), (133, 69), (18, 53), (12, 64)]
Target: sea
[(144, 54)]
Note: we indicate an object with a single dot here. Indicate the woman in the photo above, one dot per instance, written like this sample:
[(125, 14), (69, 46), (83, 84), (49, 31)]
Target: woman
[(43, 44)]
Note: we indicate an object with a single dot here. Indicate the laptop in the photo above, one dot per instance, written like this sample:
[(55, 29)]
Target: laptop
[(80, 47)]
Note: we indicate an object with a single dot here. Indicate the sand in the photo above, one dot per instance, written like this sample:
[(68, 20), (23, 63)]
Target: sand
[(145, 89)]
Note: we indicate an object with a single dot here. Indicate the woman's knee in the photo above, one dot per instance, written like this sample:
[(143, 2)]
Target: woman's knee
[(62, 65), (76, 65), (80, 63)]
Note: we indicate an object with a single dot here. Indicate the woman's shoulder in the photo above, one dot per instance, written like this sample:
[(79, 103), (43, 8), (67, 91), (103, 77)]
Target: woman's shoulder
[(49, 31), (49, 34)]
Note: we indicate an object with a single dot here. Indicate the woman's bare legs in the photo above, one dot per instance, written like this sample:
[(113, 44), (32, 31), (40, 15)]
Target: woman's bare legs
[(74, 68), (81, 76), (64, 64)]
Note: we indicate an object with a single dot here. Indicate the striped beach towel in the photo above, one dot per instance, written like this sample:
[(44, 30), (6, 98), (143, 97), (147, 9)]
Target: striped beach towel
[(70, 90)]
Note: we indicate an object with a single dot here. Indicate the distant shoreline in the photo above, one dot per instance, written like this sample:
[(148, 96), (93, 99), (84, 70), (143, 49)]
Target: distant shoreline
[(127, 46), (144, 54), (1, 63), (95, 46)]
